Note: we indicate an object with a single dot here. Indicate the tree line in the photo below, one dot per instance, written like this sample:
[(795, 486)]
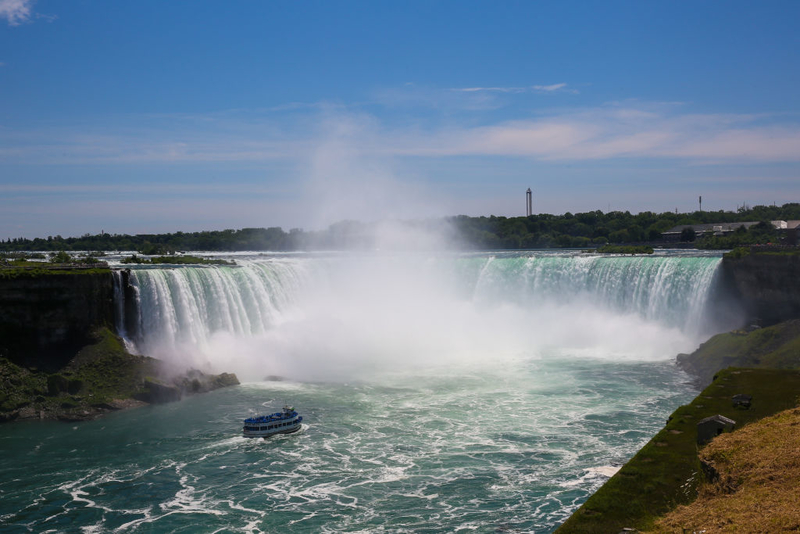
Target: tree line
[(589, 229)]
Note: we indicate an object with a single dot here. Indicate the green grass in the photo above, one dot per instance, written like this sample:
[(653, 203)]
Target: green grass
[(99, 373), (666, 471), (106, 370), (741, 252), (34, 269), (19, 387), (738, 252)]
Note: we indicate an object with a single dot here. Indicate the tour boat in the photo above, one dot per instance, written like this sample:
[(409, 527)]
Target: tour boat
[(263, 426)]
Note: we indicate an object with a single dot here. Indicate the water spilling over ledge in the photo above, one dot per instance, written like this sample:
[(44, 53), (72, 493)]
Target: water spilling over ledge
[(355, 311)]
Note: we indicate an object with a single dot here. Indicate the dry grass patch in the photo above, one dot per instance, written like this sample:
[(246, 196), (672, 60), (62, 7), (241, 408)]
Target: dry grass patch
[(757, 483)]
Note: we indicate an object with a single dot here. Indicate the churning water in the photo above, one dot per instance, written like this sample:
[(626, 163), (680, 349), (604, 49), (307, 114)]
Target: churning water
[(439, 394)]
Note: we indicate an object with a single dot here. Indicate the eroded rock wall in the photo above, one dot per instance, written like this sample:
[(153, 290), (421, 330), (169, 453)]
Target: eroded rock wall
[(45, 319), (767, 285)]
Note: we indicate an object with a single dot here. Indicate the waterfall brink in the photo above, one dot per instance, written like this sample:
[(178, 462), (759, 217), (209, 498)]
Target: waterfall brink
[(670, 290), (339, 311), (178, 308)]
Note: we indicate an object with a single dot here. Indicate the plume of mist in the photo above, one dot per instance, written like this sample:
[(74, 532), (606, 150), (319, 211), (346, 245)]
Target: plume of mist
[(350, 178), (394, 302)]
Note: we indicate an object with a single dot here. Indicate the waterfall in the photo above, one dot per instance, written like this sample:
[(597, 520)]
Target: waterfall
[(368, 308), (670, 290)]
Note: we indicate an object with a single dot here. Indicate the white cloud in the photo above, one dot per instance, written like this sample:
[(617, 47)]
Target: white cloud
[(618, 131), (549, 88), (556, 87), (489, 89), (16, 12)]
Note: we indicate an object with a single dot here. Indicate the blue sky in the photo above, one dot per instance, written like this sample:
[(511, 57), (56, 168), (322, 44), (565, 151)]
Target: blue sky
[(151, 116)]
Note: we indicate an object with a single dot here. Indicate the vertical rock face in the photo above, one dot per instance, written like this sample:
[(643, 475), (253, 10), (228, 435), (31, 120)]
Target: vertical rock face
[(768, 285), (44, 319), (130, 310)]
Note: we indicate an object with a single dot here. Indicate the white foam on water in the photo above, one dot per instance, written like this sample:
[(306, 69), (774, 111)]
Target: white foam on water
[(604, 470)]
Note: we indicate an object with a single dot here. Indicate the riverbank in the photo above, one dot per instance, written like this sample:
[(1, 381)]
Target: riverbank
[(755, 482), (667, 472)]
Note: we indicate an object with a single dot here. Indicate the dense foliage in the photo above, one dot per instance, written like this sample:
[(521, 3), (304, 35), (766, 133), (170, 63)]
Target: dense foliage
[(590, 229)]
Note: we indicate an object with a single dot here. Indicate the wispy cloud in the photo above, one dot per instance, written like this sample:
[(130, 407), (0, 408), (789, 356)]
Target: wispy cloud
[(489, 89), (618, 131), (553, 88), (16, 12), (549, 88), (449, 101), (184, 190)]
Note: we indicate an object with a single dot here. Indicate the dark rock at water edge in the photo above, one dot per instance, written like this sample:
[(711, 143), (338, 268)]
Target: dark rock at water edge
[(155, 392), (190, 383)]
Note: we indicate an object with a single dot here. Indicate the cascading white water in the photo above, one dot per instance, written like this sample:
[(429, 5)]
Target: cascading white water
[(669, 290), (325, 317)]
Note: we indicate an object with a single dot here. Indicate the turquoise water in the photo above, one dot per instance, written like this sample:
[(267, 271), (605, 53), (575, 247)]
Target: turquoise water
[(440, 393), (513, 449)]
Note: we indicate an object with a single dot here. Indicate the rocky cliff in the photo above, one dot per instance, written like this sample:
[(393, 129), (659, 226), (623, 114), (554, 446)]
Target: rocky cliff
[(766, 284), (45, 318), (59, 357)]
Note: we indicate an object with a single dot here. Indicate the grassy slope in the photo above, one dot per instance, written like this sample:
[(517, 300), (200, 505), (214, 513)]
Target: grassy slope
[(758, 484), (99, 374), (776, 347), (666, 471), (102, 376), (108, 370)]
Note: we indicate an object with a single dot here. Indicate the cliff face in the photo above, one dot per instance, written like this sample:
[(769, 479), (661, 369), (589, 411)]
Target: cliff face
[(45, 319), (768, 285), (59, 357)]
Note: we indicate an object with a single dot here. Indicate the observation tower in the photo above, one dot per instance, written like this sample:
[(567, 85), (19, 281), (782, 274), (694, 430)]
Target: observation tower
[(528, 203)]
